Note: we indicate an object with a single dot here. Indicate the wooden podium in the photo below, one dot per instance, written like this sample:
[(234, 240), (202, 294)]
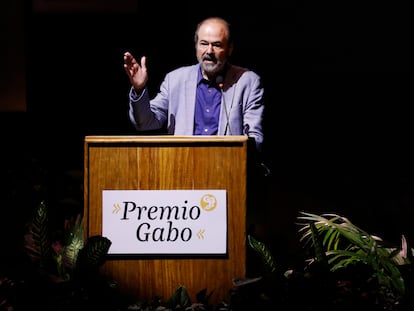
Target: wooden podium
[(170, 163)]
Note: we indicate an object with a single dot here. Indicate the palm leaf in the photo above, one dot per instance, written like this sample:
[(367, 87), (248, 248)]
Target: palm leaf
[(318, 246), (346, 244)]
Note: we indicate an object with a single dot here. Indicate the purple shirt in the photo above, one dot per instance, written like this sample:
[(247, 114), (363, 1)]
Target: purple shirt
[(207, 107)]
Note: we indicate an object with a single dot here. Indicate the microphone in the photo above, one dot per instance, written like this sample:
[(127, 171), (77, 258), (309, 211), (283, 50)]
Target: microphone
[(220, 83)]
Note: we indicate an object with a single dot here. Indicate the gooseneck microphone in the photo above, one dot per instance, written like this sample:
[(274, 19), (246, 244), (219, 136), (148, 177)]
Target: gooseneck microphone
[(219, 82)]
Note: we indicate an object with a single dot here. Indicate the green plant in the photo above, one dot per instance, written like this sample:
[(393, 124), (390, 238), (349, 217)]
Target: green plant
[(264, 252), (64, 257), (178, 301), (339, 245)]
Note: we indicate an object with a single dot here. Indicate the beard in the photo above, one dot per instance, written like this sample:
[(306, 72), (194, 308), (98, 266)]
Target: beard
[(212, 69)]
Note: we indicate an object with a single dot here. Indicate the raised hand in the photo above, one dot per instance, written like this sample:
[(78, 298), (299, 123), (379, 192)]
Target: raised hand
[(137, 72)]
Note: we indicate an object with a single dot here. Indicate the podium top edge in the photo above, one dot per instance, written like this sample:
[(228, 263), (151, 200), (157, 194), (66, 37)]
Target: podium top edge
[(165, 138)]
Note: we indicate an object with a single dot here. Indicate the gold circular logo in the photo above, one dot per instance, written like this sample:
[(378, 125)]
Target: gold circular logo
[(208, 202)]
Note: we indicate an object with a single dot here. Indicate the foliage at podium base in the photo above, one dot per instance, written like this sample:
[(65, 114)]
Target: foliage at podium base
[(344, 267)]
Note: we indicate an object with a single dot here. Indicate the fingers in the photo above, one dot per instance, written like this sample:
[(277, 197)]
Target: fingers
[(144, 63), (129, 59), (129, 69), (130, 64), (137, 72)]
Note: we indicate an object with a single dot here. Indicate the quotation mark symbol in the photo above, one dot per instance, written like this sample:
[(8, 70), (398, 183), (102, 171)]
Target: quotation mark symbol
[(200, 234), (117, 208)]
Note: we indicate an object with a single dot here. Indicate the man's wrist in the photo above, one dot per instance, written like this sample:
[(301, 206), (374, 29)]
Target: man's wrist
[(138, 91), (134, 94)]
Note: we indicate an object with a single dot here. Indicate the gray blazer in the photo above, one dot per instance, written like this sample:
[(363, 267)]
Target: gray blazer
[(174, 105)]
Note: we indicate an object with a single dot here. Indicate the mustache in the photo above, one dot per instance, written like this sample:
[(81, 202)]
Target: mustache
[(210, 57)]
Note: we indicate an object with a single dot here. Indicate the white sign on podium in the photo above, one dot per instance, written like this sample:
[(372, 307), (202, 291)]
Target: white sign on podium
[(173, 222)]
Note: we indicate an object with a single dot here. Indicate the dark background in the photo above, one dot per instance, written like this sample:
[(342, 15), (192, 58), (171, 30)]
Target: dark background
[(338, 81)]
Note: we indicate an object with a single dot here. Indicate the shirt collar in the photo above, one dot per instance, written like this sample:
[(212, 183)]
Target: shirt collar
[(200, 78)]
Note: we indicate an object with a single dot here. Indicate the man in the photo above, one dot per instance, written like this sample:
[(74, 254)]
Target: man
[(212, 97)]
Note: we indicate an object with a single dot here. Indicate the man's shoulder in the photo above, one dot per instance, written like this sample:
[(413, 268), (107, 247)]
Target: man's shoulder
[(240, 74), (235, 70)]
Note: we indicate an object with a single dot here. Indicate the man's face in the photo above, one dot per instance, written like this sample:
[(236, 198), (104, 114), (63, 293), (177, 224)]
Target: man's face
[(212, 48)]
